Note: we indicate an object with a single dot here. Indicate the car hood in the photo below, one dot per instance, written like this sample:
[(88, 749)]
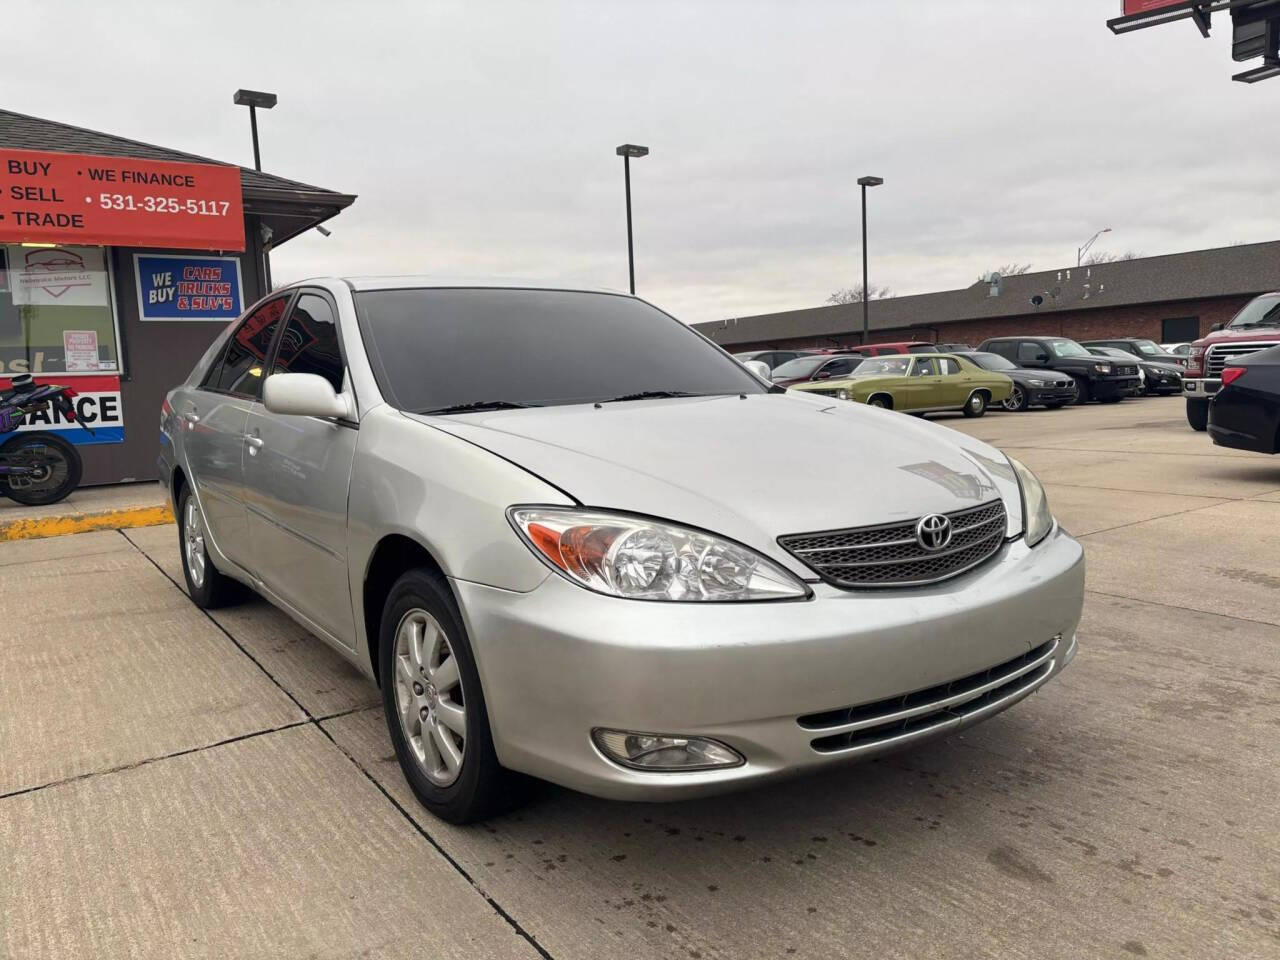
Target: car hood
[(752, 468)]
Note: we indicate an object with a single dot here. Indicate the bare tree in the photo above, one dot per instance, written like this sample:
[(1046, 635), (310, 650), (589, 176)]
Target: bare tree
[(1008, 270), (1102, 256), (854, 294)]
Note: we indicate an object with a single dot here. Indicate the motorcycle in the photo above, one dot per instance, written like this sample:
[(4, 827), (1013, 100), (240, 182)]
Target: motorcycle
[(37, 468)]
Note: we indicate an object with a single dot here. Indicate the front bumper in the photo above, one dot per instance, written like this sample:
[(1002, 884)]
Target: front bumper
[(1042, 395), (560, 660), (1200, 389), (1107, 387)]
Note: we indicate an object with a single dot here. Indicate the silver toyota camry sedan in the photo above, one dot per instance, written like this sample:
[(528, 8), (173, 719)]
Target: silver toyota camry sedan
[(568, 537)]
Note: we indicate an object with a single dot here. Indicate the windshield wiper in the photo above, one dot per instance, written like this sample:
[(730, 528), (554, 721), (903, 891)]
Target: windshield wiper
[(653, 395), (475, 407)]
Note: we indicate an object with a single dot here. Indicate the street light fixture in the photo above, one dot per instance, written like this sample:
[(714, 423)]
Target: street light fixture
[(253, 99), (1081, 251), (626, 152), (865, 182)]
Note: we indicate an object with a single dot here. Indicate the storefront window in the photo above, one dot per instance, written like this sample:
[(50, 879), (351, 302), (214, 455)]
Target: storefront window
[(56, 313)]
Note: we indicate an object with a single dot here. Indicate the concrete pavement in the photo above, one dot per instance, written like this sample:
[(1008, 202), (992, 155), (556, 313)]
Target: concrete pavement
[(179, 785)]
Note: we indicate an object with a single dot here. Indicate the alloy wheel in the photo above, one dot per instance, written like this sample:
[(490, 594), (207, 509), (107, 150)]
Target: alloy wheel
[(193, 542), (429, 697), (1015, 399)]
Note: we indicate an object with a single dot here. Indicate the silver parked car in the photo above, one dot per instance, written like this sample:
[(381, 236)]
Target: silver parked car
[(544, 522)]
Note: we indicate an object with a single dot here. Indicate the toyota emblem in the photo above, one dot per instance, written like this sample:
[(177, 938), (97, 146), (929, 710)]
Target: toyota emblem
[(933, 532)]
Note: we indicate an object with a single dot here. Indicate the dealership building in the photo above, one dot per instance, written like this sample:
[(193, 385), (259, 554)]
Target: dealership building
[(1169, 299), (120, 262)]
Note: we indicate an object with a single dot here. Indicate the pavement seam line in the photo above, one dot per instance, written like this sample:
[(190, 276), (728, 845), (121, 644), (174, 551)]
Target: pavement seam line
[(1048, 481), (149, 760), (1155, 453), (314, 721), (1163, 516), (1178, 606)]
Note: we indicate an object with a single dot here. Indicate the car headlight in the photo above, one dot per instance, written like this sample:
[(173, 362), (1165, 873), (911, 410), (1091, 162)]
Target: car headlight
[(842, 394), (1038, 383), (641, 559), (1102, 367), (1037, 521)]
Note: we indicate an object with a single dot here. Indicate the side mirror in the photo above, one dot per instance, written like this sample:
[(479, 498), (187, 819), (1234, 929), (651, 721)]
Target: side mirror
[(1216, 327), (759, 368), (1042, 358), (304, 395)]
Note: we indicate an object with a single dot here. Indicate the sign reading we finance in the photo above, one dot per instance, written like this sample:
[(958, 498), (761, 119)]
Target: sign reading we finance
[(188, 288), (71, 198), (1146, 6)]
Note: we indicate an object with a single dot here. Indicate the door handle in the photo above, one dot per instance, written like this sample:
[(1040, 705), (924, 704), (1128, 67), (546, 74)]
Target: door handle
[(191, 417), (255, 444)]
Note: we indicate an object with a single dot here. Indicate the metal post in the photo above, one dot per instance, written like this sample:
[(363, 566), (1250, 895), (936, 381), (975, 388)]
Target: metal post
[(631, 257), (866, 293), (253, 124)]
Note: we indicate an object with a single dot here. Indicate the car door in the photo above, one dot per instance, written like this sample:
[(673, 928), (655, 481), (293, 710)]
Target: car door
[(953, 384), (215, 416), (925, 387), (1031, 353), (297, 472)]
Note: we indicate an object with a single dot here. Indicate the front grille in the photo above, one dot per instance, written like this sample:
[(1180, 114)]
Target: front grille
[(1127, 371), (888, 555), (1220, 354), (914, 714)]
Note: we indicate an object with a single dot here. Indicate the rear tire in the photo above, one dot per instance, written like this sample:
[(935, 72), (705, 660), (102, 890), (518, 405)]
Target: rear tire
[(430, 689), (976, 405), (1198, 414), (207, 587), (63, 464), (880, 400)]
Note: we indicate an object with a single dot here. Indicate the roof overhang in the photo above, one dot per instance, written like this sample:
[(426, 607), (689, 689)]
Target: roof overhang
[(291, 212)]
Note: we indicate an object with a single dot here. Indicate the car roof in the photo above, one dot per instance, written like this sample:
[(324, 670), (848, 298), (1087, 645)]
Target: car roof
[(427, 282)]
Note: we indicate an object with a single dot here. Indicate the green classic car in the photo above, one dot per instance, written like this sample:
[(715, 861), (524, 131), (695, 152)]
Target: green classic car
[(918, 383)]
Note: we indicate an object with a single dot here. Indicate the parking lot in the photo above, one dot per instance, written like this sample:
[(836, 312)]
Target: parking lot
[(179, 785)]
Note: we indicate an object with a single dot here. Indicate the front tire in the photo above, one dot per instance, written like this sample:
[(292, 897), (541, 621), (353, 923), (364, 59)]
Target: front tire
[(976, 405), (207, 587), (1018, 400), (56, 465), (1083, 392), (434, 705), (1198, 414)]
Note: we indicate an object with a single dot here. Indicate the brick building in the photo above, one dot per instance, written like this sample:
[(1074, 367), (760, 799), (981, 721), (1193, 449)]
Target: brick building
[(1174, 298)]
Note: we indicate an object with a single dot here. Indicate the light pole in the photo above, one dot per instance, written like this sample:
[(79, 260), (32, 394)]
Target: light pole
[(1081, 251), (626, 152), (253, 99), (865, 182)]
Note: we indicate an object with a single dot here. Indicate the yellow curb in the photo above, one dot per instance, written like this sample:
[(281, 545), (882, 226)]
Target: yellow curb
[(33, 528)]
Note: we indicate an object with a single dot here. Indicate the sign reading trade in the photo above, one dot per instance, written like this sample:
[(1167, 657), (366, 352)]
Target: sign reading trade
[(118, 201), (187, 288)]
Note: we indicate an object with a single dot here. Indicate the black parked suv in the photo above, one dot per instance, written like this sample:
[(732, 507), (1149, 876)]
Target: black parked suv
[(1097, 378)]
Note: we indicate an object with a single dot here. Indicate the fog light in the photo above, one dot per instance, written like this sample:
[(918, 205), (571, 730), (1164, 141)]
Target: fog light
[(662, 753)]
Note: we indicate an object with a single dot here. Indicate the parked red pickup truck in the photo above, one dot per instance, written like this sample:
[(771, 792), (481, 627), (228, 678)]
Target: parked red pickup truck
[(1254, 328)]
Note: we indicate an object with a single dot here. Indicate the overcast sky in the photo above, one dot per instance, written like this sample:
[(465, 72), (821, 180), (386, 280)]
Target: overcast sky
[(479, 135)]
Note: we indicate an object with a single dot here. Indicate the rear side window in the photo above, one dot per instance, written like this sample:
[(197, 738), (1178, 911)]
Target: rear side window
[(310, 341), (948, 367), (240, 370), (1001, 348)]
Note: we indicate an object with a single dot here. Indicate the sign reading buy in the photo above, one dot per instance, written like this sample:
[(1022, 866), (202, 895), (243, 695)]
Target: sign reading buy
[(69, 198)]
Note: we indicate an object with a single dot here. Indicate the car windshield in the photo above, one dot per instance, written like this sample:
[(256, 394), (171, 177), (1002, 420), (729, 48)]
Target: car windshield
[(1149, 348), (799, 368), (1067, 348), (991, 361), (1259, 312), (883, 366), (442, 348), (1112, 352)]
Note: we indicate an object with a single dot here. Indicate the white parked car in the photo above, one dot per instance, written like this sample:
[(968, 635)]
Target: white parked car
[(544, 522)]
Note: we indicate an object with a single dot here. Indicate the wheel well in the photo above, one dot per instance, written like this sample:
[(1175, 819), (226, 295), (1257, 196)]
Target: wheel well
[(177, 484), (986, 394), (393, 555), (886, 397)]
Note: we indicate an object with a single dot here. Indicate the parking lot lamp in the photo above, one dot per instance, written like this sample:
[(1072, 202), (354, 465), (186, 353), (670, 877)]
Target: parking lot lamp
[(253, 99), (626, 152), (865, 182), (1081, 251)]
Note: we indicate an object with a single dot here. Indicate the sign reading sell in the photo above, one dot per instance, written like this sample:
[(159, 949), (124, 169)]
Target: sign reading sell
[(69, 198)]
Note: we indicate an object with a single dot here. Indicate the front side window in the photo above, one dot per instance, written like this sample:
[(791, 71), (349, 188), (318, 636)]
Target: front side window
[(309, 343), (440, 348), (56, 314), (240, 370), (1029, 352), (1259, 312)]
